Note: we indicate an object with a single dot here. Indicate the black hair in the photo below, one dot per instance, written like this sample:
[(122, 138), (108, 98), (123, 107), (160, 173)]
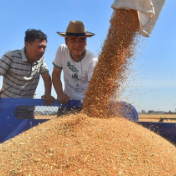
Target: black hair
[(32, 34)]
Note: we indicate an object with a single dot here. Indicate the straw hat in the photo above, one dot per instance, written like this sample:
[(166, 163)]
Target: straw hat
[(76, 28)]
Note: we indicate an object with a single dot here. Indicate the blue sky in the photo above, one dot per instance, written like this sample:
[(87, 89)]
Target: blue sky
[(152, 80)]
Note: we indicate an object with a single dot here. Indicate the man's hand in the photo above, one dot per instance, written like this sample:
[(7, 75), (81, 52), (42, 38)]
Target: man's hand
[(63, 98), (48, 99)]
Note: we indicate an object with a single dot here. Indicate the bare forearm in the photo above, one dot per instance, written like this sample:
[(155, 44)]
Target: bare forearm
[(47, 84), (57, 84)]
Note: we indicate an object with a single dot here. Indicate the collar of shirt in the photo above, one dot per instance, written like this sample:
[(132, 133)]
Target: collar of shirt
[(80, 58), (24, 56)]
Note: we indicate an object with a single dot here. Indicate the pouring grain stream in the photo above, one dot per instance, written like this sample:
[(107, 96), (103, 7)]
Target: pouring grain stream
[(113, 61)]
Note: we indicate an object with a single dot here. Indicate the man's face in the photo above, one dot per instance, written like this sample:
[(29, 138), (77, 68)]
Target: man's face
[(35, 50), (76, 45)]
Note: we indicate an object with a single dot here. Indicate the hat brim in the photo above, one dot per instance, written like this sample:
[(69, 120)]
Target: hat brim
[(86, 34)]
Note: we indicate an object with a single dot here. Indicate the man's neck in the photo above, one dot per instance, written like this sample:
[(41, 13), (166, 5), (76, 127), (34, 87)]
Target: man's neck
[(78, 57), (27, 57)]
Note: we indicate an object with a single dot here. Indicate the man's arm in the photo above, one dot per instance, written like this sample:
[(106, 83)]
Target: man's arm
[(5, 63), (47, 82), (56, 78)]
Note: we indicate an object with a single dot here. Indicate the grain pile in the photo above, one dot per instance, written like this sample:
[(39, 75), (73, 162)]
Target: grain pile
[(119, 46), (80, 145)]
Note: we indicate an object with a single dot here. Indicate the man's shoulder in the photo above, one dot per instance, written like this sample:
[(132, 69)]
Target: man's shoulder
[(91, 55), (13, 53), (63, 48), (62, 52)]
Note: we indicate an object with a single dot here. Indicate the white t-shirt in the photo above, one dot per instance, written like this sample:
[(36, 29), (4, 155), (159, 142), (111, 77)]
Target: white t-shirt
[(77, 74)]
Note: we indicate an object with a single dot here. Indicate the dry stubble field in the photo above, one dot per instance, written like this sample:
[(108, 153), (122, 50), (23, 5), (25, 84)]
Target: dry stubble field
[(156, 117)]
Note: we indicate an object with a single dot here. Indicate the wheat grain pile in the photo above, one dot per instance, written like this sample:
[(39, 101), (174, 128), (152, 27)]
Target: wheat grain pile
[(88, 143), (80, 145), (109, 73)]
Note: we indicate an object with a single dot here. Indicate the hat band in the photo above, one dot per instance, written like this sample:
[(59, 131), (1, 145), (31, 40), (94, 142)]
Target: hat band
[(75, 34)]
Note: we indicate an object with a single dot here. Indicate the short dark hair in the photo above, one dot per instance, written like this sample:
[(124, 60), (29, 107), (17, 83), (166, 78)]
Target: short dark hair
[(32, 34)]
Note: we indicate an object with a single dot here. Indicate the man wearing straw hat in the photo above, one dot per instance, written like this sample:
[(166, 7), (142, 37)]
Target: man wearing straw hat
[(77, 64)]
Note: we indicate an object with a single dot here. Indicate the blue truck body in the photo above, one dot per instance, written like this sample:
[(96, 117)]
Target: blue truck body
[(10, 126)]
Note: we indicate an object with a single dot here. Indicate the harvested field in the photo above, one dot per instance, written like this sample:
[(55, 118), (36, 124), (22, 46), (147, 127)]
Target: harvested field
[(80, 145), (157, 117)]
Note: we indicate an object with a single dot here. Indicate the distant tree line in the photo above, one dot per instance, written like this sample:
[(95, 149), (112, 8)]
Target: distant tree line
[(157, 112)]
